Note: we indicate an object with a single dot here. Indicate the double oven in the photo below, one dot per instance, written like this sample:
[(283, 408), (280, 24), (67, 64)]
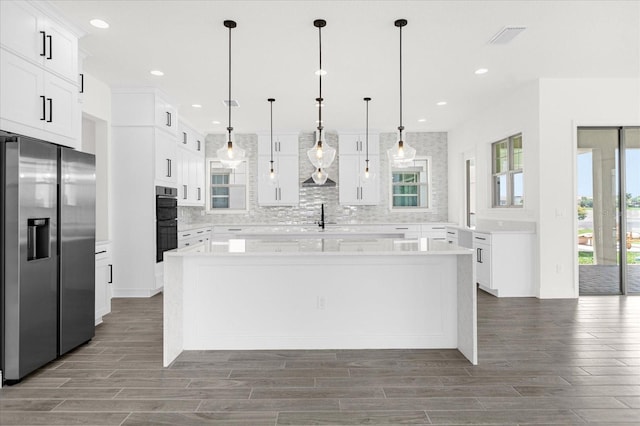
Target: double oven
[(166, 220)]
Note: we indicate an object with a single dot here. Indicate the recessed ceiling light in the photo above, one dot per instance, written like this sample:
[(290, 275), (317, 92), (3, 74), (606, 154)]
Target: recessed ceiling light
[(422, 120), (196, 106), (157, 73), (321, 72), (480, 71), (441, 103), (99, 23), (215, 122)]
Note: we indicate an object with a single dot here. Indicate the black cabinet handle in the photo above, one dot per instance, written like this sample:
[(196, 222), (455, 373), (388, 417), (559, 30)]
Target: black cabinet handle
[(44, 43), (184, 192), (110, 274), (479, 255), (199, 194), (168, 167), (168, 119), (186, 235), (50, 110), (100, 252), (184, 138), (81, 83), (44, 108), (198, 145), (50, 48)]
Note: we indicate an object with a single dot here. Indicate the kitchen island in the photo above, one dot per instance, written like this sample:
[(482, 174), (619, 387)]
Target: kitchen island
[(330, 292)]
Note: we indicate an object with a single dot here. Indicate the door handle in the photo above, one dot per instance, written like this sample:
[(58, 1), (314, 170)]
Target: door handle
[(44, 44), (50, 47), (110, 274), (50, 110), (44, 108)]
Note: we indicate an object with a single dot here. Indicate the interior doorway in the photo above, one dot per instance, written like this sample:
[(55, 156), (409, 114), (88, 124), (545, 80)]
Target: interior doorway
[(608, 209)]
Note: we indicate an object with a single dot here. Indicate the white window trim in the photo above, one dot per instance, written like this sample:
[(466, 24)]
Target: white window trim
[(509, 175), (393, 209), (208, 209)]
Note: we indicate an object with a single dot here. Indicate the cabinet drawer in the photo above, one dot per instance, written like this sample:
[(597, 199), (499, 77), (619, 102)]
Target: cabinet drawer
[(481, 238)]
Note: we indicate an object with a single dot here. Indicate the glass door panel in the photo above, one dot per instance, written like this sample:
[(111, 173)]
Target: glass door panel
[(631, 138), (598, 211)]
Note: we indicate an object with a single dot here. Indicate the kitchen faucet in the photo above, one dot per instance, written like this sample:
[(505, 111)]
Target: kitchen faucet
[(321, 222)]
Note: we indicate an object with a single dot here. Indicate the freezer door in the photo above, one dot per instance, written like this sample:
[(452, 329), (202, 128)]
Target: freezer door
[(30, 255), (77, 248)]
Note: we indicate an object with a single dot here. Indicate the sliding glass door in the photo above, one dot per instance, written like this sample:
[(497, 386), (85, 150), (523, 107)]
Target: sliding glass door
[(631, 144), (608, 209)]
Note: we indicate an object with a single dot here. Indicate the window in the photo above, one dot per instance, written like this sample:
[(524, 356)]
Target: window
[(227, 187), (508, 183), (411, 186)]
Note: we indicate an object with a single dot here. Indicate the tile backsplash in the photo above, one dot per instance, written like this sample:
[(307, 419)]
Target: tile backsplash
[(433, 144)]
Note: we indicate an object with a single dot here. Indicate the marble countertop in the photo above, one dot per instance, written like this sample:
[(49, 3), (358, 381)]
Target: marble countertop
[(321, 245)]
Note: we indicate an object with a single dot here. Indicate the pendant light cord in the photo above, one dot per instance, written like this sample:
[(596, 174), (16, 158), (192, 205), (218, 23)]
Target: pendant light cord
[(229, 98), (271, 124), (401, 126), (367, 134), (320, 126)]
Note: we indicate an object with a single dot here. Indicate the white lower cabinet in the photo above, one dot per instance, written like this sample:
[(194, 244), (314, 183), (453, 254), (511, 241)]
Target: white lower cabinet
[(504, 263), (194, 236), (104, 280)]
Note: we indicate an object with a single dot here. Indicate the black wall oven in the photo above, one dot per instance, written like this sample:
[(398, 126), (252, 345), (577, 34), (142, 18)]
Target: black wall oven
[(166, 220)]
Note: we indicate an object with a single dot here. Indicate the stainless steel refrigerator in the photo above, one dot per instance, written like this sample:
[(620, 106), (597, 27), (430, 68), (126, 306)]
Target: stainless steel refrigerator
[(48, 246)]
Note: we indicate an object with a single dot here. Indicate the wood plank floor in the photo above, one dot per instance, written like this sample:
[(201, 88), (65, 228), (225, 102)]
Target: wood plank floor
[(541, 362)]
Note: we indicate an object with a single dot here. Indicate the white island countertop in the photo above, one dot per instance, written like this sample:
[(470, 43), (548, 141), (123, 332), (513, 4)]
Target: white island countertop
[(305, 245)]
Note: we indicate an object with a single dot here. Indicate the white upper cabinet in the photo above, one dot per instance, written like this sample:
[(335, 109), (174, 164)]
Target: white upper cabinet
[(31, 34), (353, 187), (191, 179), (284, 189), (145, 107), (39, 79), (166, 156)]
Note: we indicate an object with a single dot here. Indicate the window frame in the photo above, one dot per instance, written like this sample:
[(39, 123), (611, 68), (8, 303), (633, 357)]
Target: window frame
[(508, 173), (428, 184), (209, 186)]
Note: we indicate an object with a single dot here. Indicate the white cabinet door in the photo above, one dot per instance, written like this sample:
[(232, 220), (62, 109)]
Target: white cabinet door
[(353, 187), (22, 86), (482, 247), (201, 180), (62, 99), (62, 50), (36, 103), (182, 173), (286, 144), (166, 116), (20, 30), (356, 143), (288, 180), (165, 158)]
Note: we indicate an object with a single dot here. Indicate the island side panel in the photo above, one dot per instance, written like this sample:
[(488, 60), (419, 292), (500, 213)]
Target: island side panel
[(467, 308), (321, 302), (173, 304)]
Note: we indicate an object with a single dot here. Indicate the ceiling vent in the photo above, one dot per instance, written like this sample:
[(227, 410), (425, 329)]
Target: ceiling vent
[(506, 34), (231, 103)]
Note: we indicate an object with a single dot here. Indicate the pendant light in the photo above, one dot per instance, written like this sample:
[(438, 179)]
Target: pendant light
[(321, 155), (230, 156), (367, 172), (272, 172), (401, 154)]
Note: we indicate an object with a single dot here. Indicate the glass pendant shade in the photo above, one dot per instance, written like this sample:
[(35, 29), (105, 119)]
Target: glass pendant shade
[(401, 154), (273, 175), (321, 155), (230, 155), (319, 176)]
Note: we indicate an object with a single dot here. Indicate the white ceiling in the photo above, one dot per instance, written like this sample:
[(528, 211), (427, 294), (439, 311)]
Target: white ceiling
[(275, 54)]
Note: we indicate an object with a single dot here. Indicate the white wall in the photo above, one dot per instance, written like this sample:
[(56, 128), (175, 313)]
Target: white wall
[(547, 112), (96, 135), (566, 104)]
